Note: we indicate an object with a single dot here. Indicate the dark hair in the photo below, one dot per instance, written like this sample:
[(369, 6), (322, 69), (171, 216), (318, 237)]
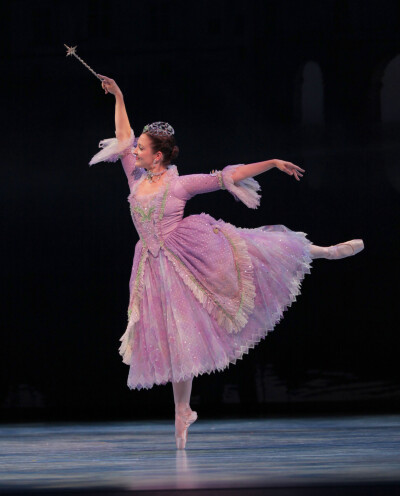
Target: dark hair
[(166, 145)]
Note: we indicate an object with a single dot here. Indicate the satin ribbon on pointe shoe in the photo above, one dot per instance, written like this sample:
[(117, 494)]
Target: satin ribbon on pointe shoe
[(335, 253), (182, 423)]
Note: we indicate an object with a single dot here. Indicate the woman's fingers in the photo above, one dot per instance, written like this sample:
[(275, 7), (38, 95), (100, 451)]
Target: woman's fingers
[(290, 169), (104, 84), (297, 167), (107, 84), (105, 80), (296, 174), (295, 170)]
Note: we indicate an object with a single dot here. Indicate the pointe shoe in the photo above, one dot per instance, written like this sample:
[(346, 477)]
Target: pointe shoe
[(182, 422), (343, 250)]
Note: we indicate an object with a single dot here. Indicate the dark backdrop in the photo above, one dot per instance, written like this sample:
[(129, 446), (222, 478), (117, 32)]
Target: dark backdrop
[(312, 82)]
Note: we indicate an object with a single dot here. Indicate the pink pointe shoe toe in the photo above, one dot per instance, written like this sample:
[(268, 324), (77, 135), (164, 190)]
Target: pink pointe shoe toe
[(182, 422), (346, 249)]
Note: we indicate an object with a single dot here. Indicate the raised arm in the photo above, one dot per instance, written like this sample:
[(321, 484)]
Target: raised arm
[(122, 146), (124, 133), (122, 125)]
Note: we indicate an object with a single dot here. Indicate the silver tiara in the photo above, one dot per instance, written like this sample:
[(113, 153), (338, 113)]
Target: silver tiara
[(159, 129)]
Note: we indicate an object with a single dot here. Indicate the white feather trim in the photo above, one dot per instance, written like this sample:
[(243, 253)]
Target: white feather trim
[(112, 149), (245, 190)]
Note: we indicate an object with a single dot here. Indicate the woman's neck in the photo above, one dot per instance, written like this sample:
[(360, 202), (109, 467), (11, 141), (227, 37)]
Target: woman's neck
[(155, 169)]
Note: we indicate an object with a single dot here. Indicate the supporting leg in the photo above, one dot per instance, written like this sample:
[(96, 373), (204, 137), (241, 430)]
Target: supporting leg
[(182, 392), (184, 415)]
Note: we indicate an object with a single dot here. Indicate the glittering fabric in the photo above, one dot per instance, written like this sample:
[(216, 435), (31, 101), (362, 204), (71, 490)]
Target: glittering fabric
[(202, 291)]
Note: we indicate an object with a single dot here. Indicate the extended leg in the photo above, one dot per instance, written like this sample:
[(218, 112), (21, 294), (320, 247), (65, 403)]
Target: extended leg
[(335, 252), (318, 251)]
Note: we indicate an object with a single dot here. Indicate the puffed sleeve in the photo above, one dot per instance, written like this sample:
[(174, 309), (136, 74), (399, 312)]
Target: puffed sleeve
[(245, 190), (113, 149)]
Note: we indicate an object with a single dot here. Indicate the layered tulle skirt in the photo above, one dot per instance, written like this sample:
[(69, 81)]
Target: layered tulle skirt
[(176, 338)]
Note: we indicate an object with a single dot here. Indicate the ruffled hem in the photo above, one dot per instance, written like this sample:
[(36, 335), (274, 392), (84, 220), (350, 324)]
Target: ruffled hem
[(113, 149), (257, 336), (245, 190), (125, 350)]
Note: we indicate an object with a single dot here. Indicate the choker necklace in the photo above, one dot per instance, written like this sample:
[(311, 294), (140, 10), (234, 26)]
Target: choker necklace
[(150, 175)]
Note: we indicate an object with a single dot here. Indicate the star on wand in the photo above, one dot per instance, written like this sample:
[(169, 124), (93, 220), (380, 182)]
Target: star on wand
[(72, 51)]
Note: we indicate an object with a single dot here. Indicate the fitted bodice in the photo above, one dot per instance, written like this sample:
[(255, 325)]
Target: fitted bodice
[(155, 215), (146, 200)]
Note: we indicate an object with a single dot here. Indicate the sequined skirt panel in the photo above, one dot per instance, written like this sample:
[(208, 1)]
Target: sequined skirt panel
[(176, 338)]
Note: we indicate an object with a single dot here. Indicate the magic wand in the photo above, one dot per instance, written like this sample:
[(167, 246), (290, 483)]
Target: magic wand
[(72, 51)]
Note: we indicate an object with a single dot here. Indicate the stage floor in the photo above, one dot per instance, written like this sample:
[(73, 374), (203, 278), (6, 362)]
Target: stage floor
[(245, 453)]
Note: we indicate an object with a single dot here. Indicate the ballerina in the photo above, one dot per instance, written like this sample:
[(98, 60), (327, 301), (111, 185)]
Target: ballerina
[(202, 292)]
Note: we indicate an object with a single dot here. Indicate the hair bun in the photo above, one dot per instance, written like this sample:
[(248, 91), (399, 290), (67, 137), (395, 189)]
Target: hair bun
[(175, 152)]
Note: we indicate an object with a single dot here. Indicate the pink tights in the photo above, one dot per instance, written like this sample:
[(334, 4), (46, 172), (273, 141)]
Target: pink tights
[(182, 391), (318, 251)]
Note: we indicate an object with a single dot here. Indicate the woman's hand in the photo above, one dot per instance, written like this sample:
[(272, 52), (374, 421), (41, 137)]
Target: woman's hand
[(289, 168), (109, 85)]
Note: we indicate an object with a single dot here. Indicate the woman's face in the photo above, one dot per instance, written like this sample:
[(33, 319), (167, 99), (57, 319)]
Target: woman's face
[(144, 153)]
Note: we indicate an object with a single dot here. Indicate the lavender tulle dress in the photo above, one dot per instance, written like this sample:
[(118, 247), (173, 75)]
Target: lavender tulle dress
[(202, 291)]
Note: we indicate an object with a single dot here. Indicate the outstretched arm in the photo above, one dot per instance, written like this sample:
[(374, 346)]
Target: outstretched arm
[(245, 190), (250, 170)]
